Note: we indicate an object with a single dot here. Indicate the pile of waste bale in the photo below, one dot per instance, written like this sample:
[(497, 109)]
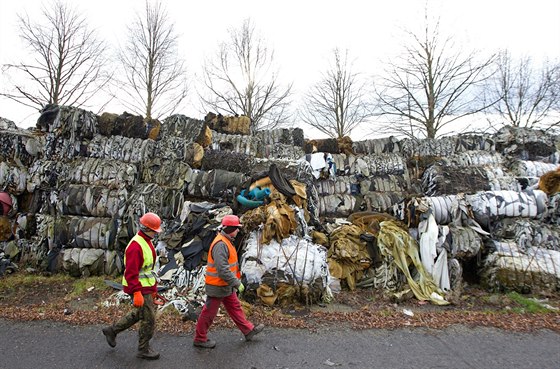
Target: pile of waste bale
[(411, 217)]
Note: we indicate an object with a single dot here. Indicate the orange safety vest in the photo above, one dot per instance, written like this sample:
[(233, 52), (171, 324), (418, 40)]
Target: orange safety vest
[(211, 271)]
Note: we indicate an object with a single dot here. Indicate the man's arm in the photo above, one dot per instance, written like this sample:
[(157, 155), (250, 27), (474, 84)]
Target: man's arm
[(134, 261)]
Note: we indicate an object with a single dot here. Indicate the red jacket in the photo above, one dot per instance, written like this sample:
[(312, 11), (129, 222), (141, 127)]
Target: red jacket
[(134, 262)]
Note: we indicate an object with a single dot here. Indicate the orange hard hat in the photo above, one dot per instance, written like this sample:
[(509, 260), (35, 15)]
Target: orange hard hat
[(152, 221), (231, 221), (5, 202)]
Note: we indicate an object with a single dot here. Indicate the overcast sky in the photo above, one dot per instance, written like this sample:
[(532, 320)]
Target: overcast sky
[(304, 32)]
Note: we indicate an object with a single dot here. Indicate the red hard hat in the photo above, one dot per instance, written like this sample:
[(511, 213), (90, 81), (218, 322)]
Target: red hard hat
[(5, 202), (152, 221), (231, 221)]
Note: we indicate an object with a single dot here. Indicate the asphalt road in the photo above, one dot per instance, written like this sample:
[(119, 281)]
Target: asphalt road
[(58, 345)]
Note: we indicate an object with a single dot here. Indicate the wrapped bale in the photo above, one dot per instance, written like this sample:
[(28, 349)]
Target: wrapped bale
[(102, 172), (20, 147), (165, 202), (227, 160), (527, 233), (492, 205), (165, 172), (83, 262), (525, 143), (13, 178), (128, 125), (129, 150), (95, 201), (533, 270), (83, 232), (295, 269), (69, 122), (179, 125), (229, 124)]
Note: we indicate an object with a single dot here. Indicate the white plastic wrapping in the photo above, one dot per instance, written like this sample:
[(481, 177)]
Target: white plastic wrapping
[(296, 257)]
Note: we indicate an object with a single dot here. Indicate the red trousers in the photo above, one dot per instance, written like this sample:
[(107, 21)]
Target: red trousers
[(210, 309)]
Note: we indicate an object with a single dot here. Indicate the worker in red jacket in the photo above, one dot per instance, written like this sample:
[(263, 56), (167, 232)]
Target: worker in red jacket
[(223, 280), (139, 281)]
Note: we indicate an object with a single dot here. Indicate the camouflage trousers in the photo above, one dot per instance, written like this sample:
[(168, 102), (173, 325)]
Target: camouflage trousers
[(147, 318)]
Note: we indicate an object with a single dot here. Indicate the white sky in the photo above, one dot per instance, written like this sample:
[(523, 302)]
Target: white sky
[(304, 32)]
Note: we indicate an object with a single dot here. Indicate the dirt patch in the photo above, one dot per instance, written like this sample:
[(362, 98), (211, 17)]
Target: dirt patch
[(57, 299)]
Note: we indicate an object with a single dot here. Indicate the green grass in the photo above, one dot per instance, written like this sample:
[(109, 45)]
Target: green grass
[(526, 305), (81, 285), (22, 280)]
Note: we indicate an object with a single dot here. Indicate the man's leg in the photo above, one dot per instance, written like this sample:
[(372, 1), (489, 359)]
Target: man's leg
[(146, 330), (127, 321), (206, 318), (233, 308), (147, 323), (122, 324)]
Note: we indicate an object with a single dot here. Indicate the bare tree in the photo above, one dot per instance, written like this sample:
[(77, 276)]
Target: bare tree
[(68, 62), (527, 97), (155, 77), (431, 86), (241, 80), (337, 103)]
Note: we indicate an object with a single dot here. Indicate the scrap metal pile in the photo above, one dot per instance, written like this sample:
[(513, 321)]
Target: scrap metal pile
[(411, 217)]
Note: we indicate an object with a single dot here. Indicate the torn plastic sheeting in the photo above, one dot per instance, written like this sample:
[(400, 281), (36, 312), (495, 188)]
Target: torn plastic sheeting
[(279, 151), (339, 186), (445, 146), (396, 242), (296, 257), (444, 208), (552, 215), (385, 183)]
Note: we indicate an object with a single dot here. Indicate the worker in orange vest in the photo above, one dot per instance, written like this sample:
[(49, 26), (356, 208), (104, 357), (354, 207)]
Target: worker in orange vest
[(223, 280), (140, 283)]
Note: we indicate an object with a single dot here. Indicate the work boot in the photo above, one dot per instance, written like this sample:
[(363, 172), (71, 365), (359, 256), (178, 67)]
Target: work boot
[(258, 329), (148, 354), (207, 344), (110, 336)]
